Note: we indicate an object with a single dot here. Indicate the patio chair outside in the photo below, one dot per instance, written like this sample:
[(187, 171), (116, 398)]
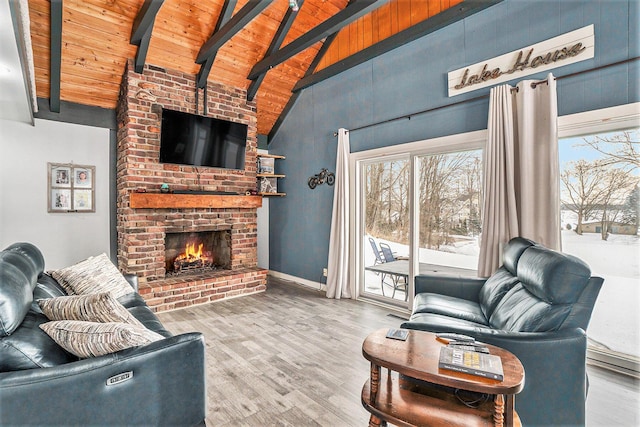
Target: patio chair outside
[(398, 283), (377, 252)]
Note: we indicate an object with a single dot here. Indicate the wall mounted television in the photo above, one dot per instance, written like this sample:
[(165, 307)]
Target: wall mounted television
[(189, 139)]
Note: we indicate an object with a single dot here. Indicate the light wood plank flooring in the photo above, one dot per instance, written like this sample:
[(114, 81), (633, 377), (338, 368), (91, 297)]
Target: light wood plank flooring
[(291, 357)]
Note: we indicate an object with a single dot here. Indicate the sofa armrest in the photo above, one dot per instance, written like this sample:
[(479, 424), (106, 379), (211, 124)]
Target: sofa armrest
[(133, 280), (162, 383), (455, 286)]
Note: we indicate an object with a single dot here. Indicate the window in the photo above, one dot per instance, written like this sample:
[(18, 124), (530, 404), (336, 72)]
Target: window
[(600, 196)]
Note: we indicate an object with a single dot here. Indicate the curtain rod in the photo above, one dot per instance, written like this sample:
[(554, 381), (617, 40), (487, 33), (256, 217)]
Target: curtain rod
[(533, 85)]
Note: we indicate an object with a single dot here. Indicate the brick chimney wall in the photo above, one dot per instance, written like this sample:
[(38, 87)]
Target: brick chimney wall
[(141, 232)]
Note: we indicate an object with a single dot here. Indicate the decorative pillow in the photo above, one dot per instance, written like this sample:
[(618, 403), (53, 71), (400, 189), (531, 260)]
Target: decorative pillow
[(90, 339), (93, 276), (90, 308)]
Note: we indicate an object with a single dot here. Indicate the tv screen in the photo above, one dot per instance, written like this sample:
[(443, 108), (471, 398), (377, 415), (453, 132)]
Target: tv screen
[(188, 139)]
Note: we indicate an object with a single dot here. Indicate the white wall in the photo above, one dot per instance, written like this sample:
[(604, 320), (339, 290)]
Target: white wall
[(263, 229), (25, 150), (263, 234)]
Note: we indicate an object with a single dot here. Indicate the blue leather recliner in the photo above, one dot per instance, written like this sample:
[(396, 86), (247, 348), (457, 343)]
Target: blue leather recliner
[(537, 305)]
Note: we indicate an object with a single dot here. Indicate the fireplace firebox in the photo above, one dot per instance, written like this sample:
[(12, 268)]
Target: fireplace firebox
[(196, 252)]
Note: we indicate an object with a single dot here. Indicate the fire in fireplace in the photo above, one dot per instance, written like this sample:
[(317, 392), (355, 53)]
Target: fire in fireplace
[(197, 251), (191, 258)]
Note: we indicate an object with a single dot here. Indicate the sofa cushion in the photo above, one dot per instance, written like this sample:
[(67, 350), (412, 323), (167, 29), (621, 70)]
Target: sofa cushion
[(149, 320), (132, 300), (438, 323), (449, 306), (47, 287), (28, 347), (91, 276), (521, 311), (90, 308), (91, 339), (15, 293), (494, 289)]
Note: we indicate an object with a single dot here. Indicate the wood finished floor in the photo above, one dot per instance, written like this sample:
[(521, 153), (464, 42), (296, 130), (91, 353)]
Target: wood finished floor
[(291, 357)]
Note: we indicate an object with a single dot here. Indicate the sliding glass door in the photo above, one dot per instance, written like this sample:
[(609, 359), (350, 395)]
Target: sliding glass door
[(418, 212)]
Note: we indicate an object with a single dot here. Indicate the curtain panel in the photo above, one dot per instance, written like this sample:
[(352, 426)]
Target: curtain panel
[(338, 263), (521, 176)]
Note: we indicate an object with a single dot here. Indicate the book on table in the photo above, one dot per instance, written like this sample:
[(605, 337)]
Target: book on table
[(471, 362)]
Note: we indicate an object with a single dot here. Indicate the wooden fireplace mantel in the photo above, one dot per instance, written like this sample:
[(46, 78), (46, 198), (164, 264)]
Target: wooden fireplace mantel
[(187, 201)]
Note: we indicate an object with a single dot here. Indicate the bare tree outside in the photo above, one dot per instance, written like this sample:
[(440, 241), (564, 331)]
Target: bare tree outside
[(619, 149), (582, 181), (387, 200), (599, 189), (449, 188)]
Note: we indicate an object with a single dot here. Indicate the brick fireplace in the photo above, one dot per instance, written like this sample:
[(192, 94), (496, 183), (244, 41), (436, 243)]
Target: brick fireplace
[(145, 217)]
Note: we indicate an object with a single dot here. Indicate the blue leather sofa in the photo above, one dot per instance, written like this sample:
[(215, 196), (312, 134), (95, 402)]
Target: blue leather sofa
[(162, 383), (537, 305)]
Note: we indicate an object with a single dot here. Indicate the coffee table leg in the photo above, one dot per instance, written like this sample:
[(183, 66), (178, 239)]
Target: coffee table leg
[(509, 411), (375, 381), (498, 411), (376, 422)]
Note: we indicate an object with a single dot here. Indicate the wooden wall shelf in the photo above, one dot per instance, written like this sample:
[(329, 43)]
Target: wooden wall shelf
[(188, 201)]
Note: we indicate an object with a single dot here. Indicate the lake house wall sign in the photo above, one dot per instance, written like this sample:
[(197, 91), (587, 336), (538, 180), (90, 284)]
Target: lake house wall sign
[(565, 49)]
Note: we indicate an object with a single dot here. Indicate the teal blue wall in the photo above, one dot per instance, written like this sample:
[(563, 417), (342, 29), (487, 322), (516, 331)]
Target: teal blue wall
[(413, 78)]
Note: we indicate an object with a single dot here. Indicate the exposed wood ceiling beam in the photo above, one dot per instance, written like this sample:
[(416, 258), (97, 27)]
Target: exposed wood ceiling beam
[(56, 55), (294, 96), (430, 25), (141, 31), (205, 69), (235, 24), (354, 10), (145, 19), (276, 42), (143, 48)]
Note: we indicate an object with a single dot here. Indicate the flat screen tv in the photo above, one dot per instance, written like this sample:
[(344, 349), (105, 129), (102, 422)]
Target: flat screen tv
[(188, 139)]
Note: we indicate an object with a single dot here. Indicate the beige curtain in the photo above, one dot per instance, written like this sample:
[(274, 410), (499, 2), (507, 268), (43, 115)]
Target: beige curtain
[(521, 177), (338, 263)]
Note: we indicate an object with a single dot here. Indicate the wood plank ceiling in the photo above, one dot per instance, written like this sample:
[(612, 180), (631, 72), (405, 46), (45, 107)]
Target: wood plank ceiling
[(95, 43)]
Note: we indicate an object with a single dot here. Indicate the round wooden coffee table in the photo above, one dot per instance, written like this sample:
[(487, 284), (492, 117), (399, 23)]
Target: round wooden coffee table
[(415, 392)]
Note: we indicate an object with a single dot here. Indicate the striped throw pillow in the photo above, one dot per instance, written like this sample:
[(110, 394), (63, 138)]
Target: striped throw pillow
[(91, 308), (91, 339), (92, 276)]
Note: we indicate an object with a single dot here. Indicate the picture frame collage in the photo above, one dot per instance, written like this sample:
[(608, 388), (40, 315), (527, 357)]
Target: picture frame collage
[(71, 188)]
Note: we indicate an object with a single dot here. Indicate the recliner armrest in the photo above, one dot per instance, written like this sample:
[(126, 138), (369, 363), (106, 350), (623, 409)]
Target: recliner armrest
[(165, 386), (455, 286)]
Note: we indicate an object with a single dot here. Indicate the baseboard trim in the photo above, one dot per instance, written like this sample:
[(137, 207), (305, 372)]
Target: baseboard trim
[(298, 280), (613, 362)]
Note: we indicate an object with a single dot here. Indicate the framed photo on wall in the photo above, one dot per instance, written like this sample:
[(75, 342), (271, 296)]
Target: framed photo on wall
[(71, 188)]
